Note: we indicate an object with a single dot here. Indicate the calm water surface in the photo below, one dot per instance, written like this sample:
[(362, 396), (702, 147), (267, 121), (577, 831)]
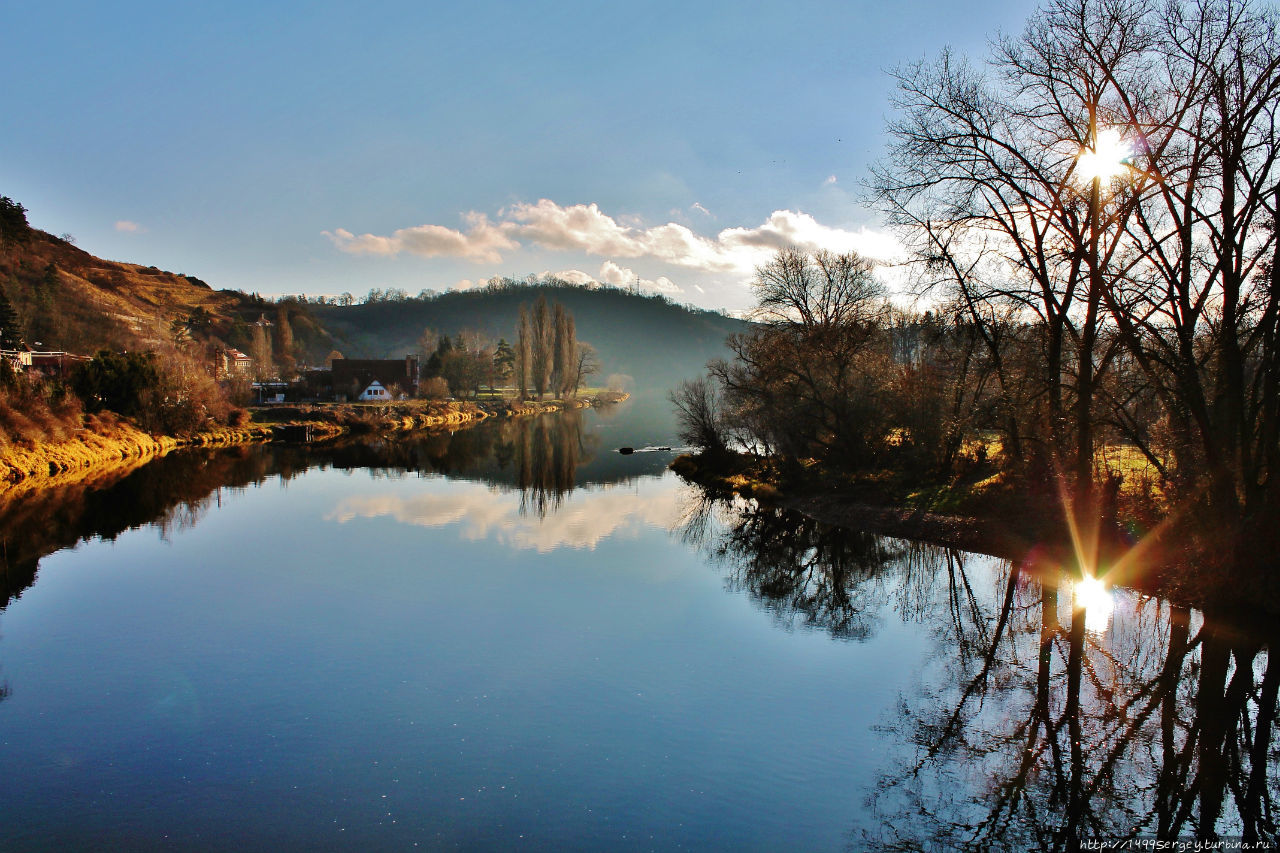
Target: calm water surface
[(514, 638)]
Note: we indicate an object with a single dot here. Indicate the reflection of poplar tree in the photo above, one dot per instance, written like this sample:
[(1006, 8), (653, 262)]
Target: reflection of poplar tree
[(546, 452)]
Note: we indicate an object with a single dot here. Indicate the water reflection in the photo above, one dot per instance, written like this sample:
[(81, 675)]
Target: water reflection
[(1049, 711), (1042, 712), (483, 512), (803, 572), (538, 460)]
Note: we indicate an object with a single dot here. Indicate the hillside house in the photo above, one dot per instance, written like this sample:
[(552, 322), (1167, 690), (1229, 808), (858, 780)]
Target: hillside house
[(236, 363)]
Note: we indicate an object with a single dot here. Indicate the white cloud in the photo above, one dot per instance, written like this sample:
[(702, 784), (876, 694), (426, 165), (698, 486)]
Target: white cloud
[(830, 181), (586, 228), (700, 209), (576, 277), (482, 241), (127, 227), (789, 228), (619, 276)]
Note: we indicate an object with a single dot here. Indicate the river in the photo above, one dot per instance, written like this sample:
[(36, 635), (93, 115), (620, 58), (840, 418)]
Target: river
[(513, 637)]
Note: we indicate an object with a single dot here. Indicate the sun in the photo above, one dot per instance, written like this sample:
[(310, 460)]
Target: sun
[(1109, 157)]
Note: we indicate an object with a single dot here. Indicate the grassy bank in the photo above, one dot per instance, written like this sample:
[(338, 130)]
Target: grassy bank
[(106, 442)]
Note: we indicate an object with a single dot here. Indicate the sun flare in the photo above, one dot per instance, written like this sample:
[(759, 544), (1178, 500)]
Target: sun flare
[(1108, 158)]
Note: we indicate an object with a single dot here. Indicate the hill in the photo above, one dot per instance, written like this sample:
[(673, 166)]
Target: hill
[(67, 299), (648, 338)]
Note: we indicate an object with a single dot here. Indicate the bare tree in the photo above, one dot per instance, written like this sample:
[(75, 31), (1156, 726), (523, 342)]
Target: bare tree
[(1106, 188)]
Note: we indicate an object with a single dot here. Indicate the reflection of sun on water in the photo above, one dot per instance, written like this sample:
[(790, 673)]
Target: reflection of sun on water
[(1094, 596)]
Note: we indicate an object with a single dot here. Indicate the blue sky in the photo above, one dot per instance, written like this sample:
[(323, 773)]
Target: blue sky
[(321, 148)]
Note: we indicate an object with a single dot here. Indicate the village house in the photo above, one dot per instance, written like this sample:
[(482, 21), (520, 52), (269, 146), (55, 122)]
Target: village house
[(375, 379)]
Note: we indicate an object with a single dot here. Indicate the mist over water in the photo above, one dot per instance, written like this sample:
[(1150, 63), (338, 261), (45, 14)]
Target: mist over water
[(513, 636)]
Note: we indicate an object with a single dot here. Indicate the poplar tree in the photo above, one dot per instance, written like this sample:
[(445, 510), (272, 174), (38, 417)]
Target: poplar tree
[(564, 352), (284, 340), (524, 354), (543, 340)]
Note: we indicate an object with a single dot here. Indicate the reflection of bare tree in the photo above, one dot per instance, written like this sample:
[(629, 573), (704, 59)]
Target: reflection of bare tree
[(1032, 727), (1050, 733), (800, 569), (546, 454)]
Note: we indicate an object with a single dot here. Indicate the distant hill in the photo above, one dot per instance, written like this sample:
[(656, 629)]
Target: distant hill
[(67, 299), (648, 338)]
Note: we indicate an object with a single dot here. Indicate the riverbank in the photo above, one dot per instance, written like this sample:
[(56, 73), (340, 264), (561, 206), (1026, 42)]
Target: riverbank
[(873, 507), (1001, 521), (106, 442)]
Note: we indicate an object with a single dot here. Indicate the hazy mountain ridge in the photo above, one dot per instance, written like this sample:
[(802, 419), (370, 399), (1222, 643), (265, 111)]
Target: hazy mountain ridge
[(654, 341)]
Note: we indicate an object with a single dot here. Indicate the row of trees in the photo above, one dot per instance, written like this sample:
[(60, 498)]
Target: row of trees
[(1093, 215), (547, 357)]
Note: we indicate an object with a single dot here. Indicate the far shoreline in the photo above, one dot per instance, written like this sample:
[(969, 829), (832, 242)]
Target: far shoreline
[(118, 443)]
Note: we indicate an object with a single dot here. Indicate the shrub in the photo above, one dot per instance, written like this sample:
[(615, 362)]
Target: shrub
[(435, 388)]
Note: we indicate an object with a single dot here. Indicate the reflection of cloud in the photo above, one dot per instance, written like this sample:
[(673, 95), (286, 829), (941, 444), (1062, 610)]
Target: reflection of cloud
[(585, 518), (586, 228)]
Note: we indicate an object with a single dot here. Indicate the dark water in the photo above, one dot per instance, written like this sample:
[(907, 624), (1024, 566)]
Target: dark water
[(513, 637)]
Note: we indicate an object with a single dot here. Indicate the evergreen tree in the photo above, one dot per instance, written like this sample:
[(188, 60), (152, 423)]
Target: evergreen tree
[(11, 331), (504, 361), (13, 222)]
